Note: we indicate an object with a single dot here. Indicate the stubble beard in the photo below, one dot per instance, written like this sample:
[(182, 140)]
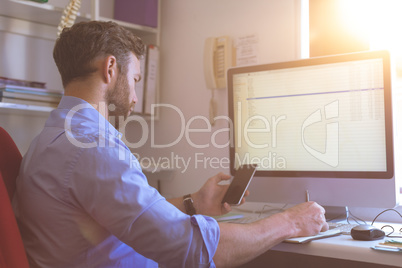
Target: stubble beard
[(117, 101)]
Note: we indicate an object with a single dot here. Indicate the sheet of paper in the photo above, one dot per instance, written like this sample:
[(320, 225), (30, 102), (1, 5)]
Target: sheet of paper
[(246, 50)]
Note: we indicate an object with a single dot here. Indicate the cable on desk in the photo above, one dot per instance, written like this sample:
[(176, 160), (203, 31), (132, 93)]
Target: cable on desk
[(353, 217), (348, 217), (389, 226)]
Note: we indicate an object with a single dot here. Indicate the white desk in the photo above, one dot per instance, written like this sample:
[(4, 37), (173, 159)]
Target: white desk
[(345, 248), (333, 252)]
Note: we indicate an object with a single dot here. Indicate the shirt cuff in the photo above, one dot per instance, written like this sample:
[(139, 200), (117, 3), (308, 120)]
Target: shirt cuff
[(210, 233)]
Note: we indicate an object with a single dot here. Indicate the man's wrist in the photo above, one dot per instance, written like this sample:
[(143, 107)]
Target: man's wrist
[(189, 205), (286, 218)]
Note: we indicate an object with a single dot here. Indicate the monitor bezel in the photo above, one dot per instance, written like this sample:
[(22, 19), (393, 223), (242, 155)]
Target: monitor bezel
[(384, 55)]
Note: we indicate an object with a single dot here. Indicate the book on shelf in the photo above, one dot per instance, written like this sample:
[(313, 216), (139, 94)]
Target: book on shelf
[(20, 82), (151, 78), (29, 95), (139, 87), (29, 102)]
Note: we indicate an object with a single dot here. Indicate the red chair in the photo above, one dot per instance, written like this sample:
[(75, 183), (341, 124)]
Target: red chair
[(12, 252), (10, 160)]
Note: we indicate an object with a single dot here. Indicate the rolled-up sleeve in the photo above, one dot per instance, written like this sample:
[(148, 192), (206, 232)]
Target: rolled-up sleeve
[(120, 199), (174, 239), (209, 234)]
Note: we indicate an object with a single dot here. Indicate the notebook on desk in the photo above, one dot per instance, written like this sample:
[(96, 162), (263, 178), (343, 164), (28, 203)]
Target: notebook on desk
[(240, 218), (305, 239)]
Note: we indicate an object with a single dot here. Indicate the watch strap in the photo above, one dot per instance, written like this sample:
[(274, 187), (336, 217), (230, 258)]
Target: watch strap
[(189, 204)]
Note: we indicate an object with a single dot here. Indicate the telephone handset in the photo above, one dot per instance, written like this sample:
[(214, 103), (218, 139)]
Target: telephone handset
[(218, 57)]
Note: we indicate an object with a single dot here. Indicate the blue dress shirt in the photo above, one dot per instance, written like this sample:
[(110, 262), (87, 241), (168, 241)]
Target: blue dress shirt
[(83, 201)]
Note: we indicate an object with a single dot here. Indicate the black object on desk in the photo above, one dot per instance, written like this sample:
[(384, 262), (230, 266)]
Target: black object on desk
[(366, 232)]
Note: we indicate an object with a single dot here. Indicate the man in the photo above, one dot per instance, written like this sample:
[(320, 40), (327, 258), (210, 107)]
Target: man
[(82, 200)]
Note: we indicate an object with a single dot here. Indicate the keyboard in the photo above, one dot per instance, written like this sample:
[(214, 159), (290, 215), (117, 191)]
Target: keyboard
[(344, 228)]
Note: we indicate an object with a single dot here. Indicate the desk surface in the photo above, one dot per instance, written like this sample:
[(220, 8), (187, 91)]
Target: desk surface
[(344, 247)]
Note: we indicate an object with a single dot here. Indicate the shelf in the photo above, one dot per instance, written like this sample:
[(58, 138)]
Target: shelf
[(34, 12), (40, 20), (24, 109), (50, 15)]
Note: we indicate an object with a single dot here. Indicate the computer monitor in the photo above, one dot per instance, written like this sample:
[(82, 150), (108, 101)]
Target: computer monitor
[(323, 125)]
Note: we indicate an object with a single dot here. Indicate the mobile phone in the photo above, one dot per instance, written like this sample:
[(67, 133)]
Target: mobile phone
[(239, 184)]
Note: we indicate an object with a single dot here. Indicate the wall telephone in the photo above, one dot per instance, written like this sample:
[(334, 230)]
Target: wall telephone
[(218, 57)]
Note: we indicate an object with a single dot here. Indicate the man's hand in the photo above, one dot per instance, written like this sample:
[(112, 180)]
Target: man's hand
[(240, 243), (208, 200), (307, 218)]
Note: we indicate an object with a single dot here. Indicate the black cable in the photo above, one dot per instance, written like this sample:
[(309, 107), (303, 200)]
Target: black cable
[(389, 235), (390, 209), (354, 217)]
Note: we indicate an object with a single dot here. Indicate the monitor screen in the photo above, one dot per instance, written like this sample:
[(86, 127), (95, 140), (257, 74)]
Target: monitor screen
[(326, 118)]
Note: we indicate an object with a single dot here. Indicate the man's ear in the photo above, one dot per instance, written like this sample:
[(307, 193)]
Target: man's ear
[(110, 69)]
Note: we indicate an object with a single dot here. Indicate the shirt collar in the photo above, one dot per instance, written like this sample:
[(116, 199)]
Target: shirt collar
[(71, 108)]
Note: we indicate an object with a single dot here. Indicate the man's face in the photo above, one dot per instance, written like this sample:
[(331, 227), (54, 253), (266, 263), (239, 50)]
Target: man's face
[(121, 99)]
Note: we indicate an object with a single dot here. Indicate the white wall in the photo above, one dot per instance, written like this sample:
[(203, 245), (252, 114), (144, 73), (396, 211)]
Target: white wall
[(185, 26)]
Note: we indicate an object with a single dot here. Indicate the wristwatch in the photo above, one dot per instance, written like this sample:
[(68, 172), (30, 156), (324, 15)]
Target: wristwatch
[(188, 204)]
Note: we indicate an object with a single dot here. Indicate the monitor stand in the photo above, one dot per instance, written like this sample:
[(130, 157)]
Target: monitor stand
[(335, 214)]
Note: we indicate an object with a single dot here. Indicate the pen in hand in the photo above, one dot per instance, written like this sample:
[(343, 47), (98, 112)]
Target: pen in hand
[(307, 196)]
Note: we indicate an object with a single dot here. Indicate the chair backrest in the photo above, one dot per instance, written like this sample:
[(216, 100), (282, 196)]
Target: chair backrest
[(10, 160), (12, 252)]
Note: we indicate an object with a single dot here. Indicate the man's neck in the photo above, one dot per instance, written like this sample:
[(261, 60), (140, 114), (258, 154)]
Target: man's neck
[(91, 93)]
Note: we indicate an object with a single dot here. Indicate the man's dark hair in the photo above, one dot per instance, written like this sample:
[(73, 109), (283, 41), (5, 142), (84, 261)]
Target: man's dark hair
[(78, 46)]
